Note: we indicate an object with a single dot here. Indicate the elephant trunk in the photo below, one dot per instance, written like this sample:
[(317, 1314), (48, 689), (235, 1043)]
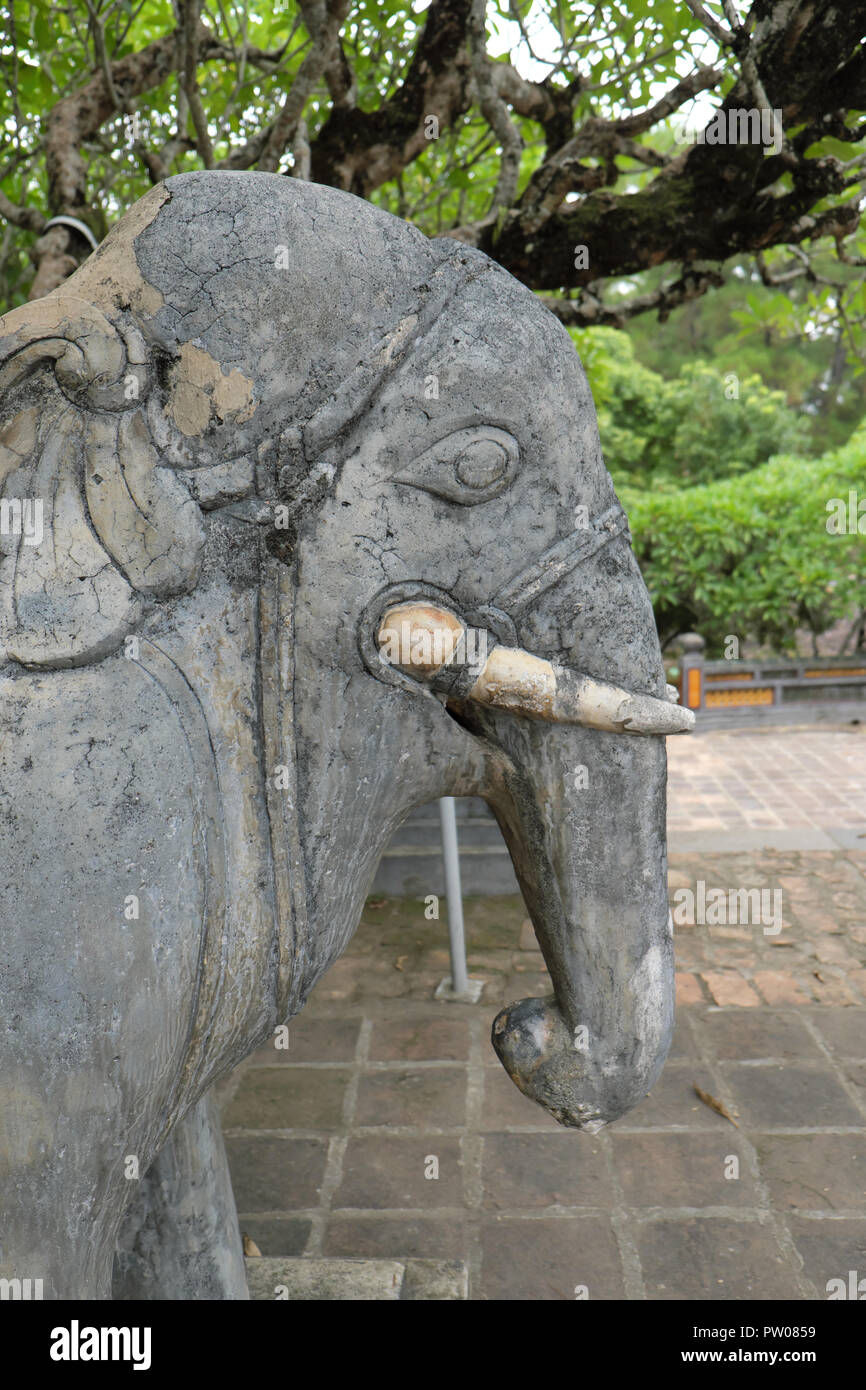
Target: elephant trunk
[(583, 813), (580, 798)]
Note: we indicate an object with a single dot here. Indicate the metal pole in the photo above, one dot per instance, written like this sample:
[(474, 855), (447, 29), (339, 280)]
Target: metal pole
[(453, 896)]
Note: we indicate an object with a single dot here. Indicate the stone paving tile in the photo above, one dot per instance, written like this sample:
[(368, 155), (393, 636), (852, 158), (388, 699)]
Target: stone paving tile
[(390, 1172), (689, 989), (714, 1258), (313, 1039), (547, 1260), (278, 1235), (814, 1172), (734, 1036), (673, 1102), (340, 983), (777, 987), (528, 961), (528, 940), (288, 1098), (434, 1098), (506, 1107), (727, 987), (843, 1030), (275, 1174), (855, 1074), (397, 1237), (544, 1170), (832, 1250), (683, 1046), (531, 985), (791, 1096), (431, 1039), (684, 1170)]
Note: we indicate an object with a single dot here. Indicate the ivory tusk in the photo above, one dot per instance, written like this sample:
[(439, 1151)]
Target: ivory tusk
[(515, 680), (425, 639), (582, 700)]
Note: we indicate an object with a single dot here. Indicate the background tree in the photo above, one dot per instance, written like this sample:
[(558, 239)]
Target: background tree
[(761, 556), (692, 426), (417, 108)]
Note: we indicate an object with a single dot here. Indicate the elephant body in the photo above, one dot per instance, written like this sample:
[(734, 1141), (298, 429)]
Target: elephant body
[(261, 413), (153, 967)]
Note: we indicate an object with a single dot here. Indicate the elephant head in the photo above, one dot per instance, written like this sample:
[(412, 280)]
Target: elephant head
[(470, 501), (395, 440)]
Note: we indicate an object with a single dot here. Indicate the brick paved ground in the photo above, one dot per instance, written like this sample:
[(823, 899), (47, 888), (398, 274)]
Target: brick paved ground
[(329, 1141), (812, 779)]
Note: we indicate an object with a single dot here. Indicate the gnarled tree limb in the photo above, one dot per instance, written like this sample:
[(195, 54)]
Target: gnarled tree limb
[(697, 205)]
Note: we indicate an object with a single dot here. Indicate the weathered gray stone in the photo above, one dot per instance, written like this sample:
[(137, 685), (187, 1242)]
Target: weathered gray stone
[(261, 417), (438, 1281), (307, 1280)]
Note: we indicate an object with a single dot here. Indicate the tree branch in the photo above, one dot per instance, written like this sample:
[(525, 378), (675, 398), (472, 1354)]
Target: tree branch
[(530, 99), (360, 150), (495, 112), (712, 25), (339, 76), (564, 172), (590, 310), (77, 118), (301, 152), (282, 131), (190, 13), (31, 219)]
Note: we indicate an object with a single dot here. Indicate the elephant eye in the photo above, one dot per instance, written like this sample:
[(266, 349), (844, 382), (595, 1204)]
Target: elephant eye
[(468, 467)]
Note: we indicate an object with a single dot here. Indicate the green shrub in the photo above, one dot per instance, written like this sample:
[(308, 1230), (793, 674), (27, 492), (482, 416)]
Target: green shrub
[(752, 555), (698, 426)]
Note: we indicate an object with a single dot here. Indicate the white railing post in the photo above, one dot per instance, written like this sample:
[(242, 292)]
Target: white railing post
[(459, 986)]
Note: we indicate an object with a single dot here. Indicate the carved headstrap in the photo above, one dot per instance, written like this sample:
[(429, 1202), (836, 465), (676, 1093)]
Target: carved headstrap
[(454, 273), (118, 524)]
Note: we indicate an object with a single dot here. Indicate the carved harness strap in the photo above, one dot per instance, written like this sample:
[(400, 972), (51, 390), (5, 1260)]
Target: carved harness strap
[(331, 421), (563, 557)]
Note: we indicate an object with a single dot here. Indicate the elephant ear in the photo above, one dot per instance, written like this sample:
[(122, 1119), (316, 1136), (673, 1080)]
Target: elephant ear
[(90, 518)]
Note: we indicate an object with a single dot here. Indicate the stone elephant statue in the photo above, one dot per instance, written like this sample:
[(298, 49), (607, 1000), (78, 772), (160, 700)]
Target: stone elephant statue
[(305, 523)]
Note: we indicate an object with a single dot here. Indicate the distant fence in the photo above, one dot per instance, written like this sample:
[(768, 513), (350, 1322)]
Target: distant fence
[(769, 686)]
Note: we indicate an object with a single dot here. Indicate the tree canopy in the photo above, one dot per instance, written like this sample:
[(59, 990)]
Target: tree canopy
[(551, 134)]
